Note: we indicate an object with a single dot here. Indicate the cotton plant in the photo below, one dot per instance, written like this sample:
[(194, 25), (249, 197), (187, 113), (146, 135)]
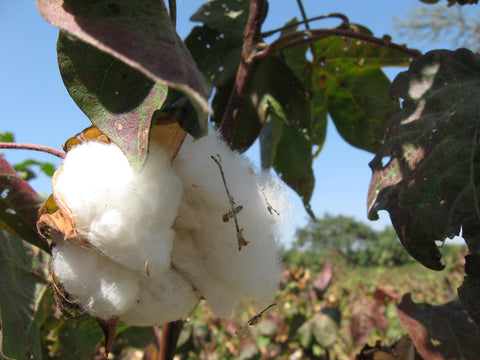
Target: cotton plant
[(144, 247)]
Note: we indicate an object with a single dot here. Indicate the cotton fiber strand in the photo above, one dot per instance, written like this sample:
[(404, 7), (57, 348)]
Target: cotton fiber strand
[(156, 241)]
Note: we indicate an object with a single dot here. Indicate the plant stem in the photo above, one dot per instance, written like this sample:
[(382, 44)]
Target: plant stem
[(307, 26), (299, 38), (327, 16), (246, 69), (35, 147), (168, 343), (302, 11)]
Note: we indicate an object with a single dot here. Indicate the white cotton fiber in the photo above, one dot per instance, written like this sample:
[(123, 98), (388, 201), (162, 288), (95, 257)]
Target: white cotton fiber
[(102, 288), (124, 214), (205, 248), (166, 298)]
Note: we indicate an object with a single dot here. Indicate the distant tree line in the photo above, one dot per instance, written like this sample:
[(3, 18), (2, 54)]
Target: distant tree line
[(348, 240)]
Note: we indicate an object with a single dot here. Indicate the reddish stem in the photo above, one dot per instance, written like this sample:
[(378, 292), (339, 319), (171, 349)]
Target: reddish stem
[(306, 21), (307, 37), (168, 343), (246, 69), (35, 147)]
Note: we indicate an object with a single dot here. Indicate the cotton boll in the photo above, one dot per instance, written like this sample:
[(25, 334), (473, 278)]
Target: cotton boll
[(166, 298), (100, 286), (124, 214), (205, 248)]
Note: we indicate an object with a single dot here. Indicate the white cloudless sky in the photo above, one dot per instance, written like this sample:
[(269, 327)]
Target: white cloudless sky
[(36, 107)]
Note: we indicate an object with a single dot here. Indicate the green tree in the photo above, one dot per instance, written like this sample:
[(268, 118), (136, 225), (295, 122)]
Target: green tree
[(456, 25), (353, 241)]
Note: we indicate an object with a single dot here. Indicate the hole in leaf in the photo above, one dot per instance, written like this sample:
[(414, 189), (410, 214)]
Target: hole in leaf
[(4, 193), (386, 160), (439, 243)]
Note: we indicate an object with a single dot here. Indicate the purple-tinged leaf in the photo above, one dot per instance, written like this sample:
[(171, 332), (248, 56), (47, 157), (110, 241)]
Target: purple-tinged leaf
[(367, 314), (140, 34), (118, 100), (440, 332), (430, 182), (19, 205), (323, 281)]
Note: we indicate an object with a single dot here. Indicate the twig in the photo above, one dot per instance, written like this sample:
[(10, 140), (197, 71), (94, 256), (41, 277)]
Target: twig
[(245, 329), (299, 38), (35, 147), (302, 11), (240, 239), (306, 21), (246, 70), (270, 208)]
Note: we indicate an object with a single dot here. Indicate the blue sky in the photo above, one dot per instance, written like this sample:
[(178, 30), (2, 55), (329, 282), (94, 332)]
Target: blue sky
[(36, 107)]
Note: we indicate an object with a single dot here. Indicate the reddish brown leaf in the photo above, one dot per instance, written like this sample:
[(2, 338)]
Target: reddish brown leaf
[(382, 293), (19, 205), (366, 315), (323, 281), (440, 332)]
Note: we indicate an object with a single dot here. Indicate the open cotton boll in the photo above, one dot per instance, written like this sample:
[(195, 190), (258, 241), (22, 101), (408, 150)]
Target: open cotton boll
[(100, 286), (205, 248), (127, 215)]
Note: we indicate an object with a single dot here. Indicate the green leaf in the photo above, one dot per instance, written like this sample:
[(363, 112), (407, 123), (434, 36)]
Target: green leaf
[(118, 99), (19, 205), (360, 105), (322, 329), (7, 137), (23, 273), (316, 110), (440, 332), (356, 88), (217, 54), (140, 34), (67, 339), (225, 16), (346, 80), (25, 168)]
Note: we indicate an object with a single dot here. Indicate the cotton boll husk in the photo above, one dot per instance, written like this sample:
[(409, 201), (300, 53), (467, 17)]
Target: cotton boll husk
[(127, 215), (164, 298), (100, 286), (205, 248)]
